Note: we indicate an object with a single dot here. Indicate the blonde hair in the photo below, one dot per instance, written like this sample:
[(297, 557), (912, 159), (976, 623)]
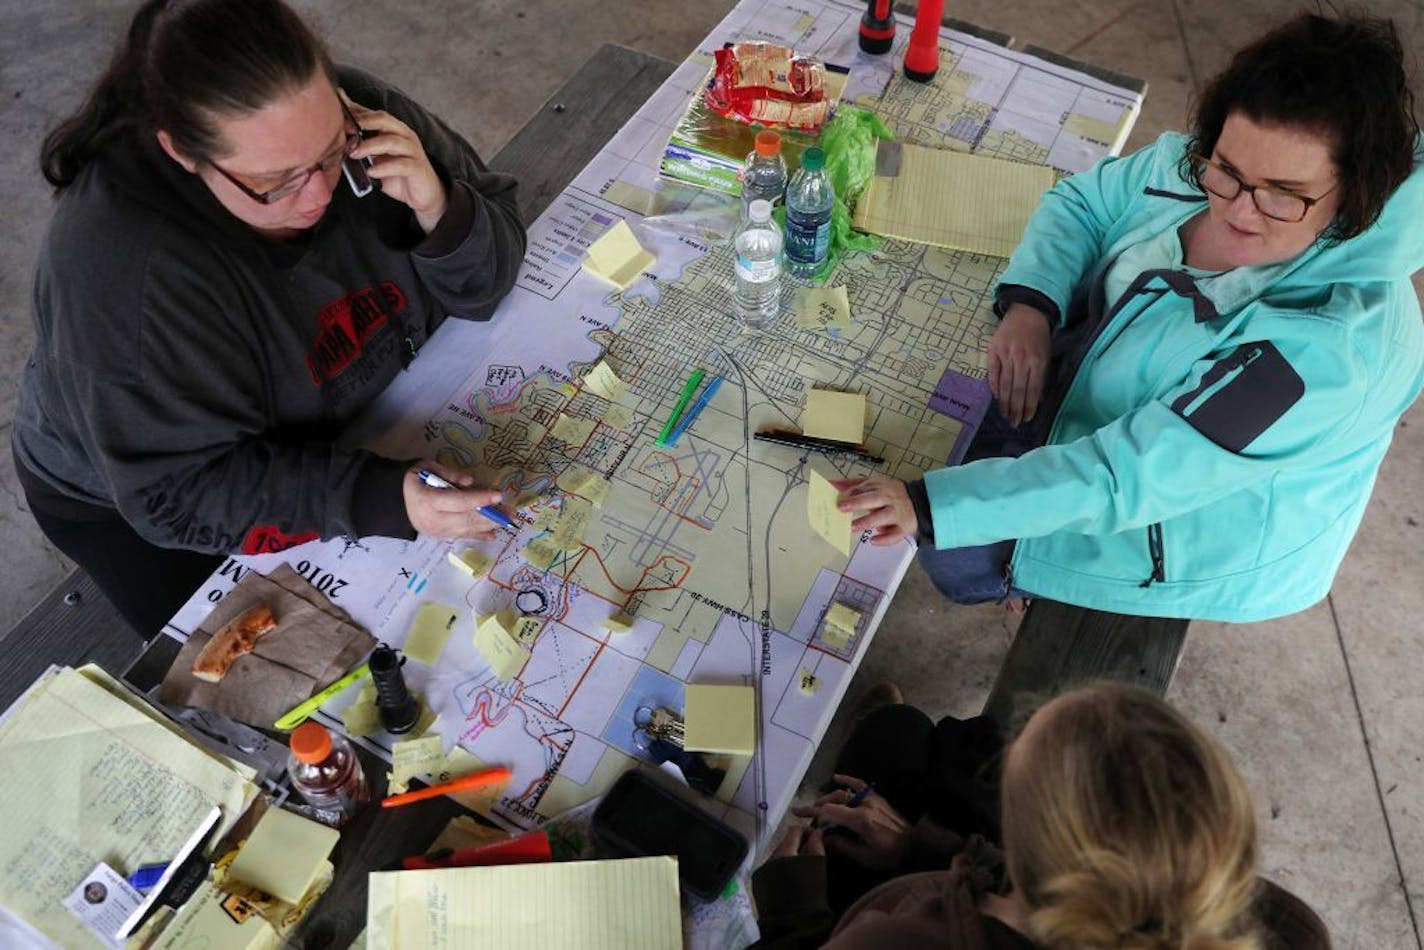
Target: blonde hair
[(1126, 827)]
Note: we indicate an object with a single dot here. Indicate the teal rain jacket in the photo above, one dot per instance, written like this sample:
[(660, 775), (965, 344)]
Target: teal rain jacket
[(1214, 452)]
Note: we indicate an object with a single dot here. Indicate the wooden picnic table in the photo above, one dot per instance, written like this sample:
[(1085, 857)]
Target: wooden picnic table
[(1057, 646)]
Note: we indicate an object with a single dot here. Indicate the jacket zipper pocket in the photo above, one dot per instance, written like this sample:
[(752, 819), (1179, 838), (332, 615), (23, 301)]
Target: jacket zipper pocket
[(1154, 550)]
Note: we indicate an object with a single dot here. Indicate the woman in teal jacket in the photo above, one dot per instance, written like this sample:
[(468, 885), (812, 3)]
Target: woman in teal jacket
[(1210, 343)]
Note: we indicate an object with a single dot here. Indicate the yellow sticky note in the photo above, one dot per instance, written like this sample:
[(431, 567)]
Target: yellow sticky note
[(526, 630), (283, 854), (203, 921), (808, 682), (602, 381), (1096, 130), (618, 623), (843, 618), (472, 561), (460, 763), (618, 417), (617, 257), (540, 553), (834, 415), (573, 521), (581, 480), (823, 308), (496, 644), (429, 632), (828, 521), (413, 758), (719, 719), (572, 429), (361, 718)]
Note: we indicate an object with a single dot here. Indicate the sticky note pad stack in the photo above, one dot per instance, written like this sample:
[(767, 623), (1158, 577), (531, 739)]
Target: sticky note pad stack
[(719, 719), (617, 257), (284, 854)]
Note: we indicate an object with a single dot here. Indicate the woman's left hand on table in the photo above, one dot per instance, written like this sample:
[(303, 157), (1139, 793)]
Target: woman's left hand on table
[(881, 504), (400, 164)]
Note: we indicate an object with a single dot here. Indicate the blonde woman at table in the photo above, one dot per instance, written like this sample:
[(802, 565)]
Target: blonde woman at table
[(213, 303), (1203, 353), (1124, 827)]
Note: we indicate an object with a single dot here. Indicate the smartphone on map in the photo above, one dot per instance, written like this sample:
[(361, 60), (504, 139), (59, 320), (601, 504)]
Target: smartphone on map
[(355, 171), (641, 815)]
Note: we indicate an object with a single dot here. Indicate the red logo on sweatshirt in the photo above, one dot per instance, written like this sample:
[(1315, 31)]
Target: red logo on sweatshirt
[(268, 539), (344, 326)]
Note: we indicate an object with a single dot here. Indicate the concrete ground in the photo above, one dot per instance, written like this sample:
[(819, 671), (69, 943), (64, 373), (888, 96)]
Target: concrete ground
[(1324, 710)]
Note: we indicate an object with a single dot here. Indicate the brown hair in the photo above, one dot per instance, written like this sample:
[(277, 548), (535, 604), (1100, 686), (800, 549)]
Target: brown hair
[(1343, 78), (183, 63), (1126, 827)]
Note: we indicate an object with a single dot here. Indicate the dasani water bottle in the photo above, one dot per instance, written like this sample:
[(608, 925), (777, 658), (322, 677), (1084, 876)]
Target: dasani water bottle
[(809, 199)]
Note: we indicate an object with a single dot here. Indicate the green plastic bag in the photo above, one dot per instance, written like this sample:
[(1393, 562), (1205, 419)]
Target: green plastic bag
[(849, 143)]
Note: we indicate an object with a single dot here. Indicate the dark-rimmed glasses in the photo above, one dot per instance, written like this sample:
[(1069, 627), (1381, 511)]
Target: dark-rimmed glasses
[(1274, 203), (298, 181)]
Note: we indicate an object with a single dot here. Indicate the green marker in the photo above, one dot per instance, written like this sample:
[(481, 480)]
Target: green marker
[(693, 382), (298, 714)]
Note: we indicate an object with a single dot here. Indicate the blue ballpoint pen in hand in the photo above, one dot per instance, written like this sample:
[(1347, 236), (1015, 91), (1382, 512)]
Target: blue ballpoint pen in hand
[(855, 801), (488, 511)]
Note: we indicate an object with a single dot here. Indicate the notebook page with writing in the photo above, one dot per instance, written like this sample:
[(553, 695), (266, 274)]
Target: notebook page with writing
[(95, 777), (951, 199), (629, 904)]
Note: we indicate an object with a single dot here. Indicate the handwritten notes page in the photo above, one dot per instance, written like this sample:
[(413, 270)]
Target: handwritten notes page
[(951, 199), (629, 904), (95, 776)]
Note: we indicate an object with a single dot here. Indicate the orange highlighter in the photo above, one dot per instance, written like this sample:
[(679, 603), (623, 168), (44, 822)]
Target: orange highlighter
[(466, 783)]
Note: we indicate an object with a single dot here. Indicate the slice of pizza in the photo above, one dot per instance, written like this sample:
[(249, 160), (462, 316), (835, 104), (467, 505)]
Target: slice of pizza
[(235, 639)]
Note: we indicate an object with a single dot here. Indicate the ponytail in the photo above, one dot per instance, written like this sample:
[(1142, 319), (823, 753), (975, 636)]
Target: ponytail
[(183, 64), (117, 97), (1126, 828)]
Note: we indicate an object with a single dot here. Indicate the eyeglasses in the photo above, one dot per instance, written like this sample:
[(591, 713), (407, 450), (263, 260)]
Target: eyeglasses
[(1272, 202), (297, 182)]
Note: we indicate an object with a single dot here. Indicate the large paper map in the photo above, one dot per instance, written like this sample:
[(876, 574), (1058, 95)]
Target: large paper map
[(705, 544)]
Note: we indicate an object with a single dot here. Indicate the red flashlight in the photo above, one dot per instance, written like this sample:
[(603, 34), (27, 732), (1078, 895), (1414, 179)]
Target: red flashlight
[(922, 55), (877, 27)]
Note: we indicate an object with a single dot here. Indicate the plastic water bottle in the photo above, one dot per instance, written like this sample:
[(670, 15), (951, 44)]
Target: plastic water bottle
[(809, 199), (764, 174), (325, 770), (758, 247)]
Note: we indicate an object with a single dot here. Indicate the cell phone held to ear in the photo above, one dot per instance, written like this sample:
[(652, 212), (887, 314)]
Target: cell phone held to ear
[(354, 169), (642, 816)]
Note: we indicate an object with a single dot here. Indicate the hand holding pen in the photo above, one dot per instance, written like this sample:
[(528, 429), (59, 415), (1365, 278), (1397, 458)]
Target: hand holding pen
[(445, 504), (880, 834)]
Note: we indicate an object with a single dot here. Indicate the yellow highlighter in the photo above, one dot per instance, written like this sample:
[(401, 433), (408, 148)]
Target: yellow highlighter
[(298, 714)]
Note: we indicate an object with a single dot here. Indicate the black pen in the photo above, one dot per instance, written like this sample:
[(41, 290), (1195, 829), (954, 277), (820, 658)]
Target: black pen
[(797, 440)]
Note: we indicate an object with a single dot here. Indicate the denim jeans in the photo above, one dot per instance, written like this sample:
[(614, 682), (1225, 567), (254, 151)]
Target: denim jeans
[(979, 573)]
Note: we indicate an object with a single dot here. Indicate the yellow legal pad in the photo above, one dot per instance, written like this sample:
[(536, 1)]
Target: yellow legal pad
[(951, 199), (719, 719), (617, 257), (283, 854), (629, 904)]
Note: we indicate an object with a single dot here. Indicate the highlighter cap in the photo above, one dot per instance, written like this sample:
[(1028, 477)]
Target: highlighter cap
[(310, 743), (768, 143)]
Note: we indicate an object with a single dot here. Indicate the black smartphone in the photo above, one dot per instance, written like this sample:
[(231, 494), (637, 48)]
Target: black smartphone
[(355, 171), (641, 816)]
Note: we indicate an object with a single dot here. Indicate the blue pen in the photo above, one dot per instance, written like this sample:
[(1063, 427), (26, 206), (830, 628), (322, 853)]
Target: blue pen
[(697, 407), (489, 511), (145, 877)]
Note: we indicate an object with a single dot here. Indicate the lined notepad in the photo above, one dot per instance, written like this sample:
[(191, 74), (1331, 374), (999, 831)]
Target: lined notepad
[(951, 199), (630, 904)]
